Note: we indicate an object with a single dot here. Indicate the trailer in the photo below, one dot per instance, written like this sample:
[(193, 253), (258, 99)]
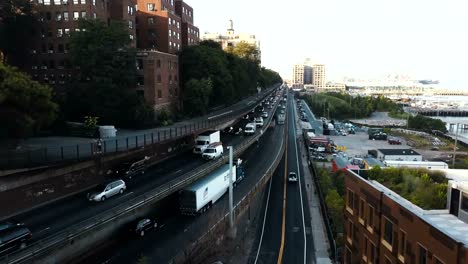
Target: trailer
[(202, 194), (430, 165)]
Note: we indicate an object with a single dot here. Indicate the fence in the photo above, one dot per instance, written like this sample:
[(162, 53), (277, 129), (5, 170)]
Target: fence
[(73, 153), (66, 237)]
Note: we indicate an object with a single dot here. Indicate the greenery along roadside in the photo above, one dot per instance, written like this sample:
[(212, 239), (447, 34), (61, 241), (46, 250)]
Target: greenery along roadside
[(212, 77)]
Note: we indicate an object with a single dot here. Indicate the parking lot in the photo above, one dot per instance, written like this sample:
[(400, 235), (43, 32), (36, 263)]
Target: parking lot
[(358, 144)]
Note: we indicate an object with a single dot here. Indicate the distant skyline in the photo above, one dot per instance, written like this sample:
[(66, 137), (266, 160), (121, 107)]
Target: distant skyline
[(361, 38)]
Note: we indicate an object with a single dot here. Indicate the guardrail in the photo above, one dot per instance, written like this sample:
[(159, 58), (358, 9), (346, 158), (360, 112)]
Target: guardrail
[(45, 245), (79, 152)]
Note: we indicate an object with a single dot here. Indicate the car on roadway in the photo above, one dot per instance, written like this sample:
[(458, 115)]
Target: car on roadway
[(265, 114), (107, 190), (141, 225), (292, 177), (13, 235)]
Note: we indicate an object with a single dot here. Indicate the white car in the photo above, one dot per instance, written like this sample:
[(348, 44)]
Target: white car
[(265, 114), (106, 190), (259, 121), (292, 177)]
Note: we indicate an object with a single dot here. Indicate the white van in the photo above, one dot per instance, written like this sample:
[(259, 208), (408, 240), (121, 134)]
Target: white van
[(250, 129), (213, 151), (259, 121)]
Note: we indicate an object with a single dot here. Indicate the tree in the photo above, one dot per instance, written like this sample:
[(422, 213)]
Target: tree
[(25, 105), (197, 96), (17, 21), (246, 51), (106, 81)]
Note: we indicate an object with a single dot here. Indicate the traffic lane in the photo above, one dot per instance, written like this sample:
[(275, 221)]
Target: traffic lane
[(294, 238), (43, 220), (181, 231), (271, 236)]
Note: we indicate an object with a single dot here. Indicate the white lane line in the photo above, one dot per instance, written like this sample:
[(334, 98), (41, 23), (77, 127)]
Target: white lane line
[(264, 220), (177, 171), (43, 230), (300, 185), (225, 113)]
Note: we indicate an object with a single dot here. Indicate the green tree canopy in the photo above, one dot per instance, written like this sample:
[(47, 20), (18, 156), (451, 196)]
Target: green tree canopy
[(246, 51), (106, 84), (25, 105)]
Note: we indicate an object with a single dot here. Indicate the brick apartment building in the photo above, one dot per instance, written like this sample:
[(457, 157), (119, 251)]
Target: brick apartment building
[(156, 27), (49, 61), (383, 227)]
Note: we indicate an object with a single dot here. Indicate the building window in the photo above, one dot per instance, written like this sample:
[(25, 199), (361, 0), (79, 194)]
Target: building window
[(178, 24), (131, 37), (57, 2), (178, 36), (75, 2), (83, 2), (370, 223), (158, 63), (422, 255), (364, 249), (349, 200), (159, 78), (150, 20), (139, 64), (51, 48), (58, 16), (83, 14), (350, 233), (59, 32), (362, 209), (48, 16), (94, 2), (76, 15), (151, 7), (373, 254), (348, 256), (464, 202), (46, 2), (65, 16), (94, 15), (64, 2), (170, 32), (159, 94), (67, 32), (130, 24), (402, 246), (388, 232)]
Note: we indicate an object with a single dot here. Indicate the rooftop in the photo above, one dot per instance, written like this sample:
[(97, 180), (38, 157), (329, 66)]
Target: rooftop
[(400, 152)]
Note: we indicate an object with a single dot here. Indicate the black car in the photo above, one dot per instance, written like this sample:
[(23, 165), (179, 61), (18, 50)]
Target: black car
[(127, 170), (13, 235), (141, 225)]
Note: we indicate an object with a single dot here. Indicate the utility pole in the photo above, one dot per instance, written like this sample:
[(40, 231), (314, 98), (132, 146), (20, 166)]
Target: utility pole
[(455, 147), (231, 196)]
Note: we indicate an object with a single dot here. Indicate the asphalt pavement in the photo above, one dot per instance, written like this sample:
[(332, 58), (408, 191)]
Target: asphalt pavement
[(179, 232)]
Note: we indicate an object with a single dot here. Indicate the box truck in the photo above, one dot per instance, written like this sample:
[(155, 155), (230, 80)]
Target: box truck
[(204, 139), (202, 194)]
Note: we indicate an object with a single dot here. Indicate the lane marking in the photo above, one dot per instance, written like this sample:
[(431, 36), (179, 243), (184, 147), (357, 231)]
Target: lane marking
[(300, 186), (283, 225), (225, 113), (43, 230), (264, 220)]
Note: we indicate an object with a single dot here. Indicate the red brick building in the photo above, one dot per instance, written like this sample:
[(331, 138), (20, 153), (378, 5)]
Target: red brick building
[(158, 79), (190, 33), (49, 61), (383, 227)]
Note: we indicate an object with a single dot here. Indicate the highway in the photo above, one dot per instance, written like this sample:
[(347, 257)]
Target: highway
[(178, 232), (54, 217), (285, 236)]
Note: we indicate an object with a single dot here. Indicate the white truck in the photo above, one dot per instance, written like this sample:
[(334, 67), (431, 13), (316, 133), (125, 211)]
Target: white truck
[(430, 165), (213, 151), (250, 128), (202, 194), (204, 139)]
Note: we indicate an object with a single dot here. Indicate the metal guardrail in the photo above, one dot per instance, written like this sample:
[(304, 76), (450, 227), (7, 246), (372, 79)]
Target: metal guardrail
[(79, 152), (41, 247)]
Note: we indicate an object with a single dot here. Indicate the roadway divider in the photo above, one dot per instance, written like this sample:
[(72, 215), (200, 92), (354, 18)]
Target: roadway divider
[(38, 251)]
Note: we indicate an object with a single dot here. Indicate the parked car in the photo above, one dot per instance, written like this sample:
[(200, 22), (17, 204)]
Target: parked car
[(140, 226), (394, 141), (107, 190), (13, 235), (292, 177)]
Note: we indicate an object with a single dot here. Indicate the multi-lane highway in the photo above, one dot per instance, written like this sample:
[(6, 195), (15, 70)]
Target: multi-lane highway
[(179, 232), (285, 235)]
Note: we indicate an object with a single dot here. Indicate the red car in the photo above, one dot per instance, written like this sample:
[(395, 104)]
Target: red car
[(394, 141)]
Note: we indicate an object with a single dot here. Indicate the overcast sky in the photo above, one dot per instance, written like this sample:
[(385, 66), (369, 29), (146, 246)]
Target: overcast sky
[(358, 38)]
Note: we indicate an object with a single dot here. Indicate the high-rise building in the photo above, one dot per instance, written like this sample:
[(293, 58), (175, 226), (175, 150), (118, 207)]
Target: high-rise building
[(190, 33), (318, 76), (383, 227), (298, 74), (231, 38), (49, 44)]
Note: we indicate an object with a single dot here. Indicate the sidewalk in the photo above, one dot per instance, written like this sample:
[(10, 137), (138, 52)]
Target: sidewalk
[(40, 151), (319, 235)]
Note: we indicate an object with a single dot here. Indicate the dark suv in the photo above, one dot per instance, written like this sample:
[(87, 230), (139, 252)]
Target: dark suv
[(127, 170), (13, 235), (141, 225)]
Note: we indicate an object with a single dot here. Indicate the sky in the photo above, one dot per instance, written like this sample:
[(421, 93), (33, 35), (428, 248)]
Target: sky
[(360, 38)]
